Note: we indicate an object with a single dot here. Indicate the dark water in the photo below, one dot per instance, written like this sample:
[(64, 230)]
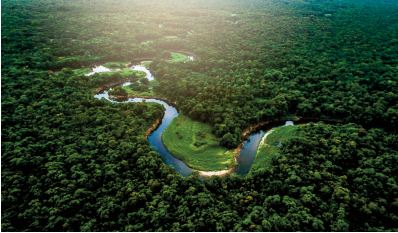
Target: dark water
[(245, 158), (155, 140), (248, 153)]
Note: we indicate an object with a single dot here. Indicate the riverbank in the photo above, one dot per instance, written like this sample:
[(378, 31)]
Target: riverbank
[(216, 173), (190, 146), (270, 146), (268, 124), (153, 127)]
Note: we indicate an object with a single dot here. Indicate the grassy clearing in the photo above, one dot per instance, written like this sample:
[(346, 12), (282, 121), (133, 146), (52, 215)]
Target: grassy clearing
[(124, 73), (127, 72), (117, 69), (194, 143), (178, 57), (141, 93), (81, 72), (270, 147), (141, 89), (115, 65)]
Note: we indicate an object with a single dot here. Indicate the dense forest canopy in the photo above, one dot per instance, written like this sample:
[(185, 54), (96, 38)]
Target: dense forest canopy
[(71, 162)]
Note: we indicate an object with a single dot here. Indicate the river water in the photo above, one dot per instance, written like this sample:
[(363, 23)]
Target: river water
[(246, 156)]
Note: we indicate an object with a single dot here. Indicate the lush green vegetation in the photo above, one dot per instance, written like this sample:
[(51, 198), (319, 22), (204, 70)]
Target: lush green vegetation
[(123, 73), (269, 148), (194, 143), (71, 162), (116, 65), (118, 91), (178, 57), (138, 89)]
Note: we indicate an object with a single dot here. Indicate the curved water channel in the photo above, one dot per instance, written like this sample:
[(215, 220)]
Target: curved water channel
[(244, 160)]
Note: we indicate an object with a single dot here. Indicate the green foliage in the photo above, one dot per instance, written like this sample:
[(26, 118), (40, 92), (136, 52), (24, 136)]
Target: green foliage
[(178, 57), (74, 163), (138, 89), (194, 143), (118, 91), (122, 73), (270, 147)]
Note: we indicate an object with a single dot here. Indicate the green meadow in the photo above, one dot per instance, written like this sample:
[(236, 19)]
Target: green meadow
[(270, 147), (178, 57), (193, 143)]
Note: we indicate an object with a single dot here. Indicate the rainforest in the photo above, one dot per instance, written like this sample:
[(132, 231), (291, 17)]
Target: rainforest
[(199, 115)]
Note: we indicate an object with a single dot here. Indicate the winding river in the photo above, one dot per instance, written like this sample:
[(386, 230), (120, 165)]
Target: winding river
[(244, 160)]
